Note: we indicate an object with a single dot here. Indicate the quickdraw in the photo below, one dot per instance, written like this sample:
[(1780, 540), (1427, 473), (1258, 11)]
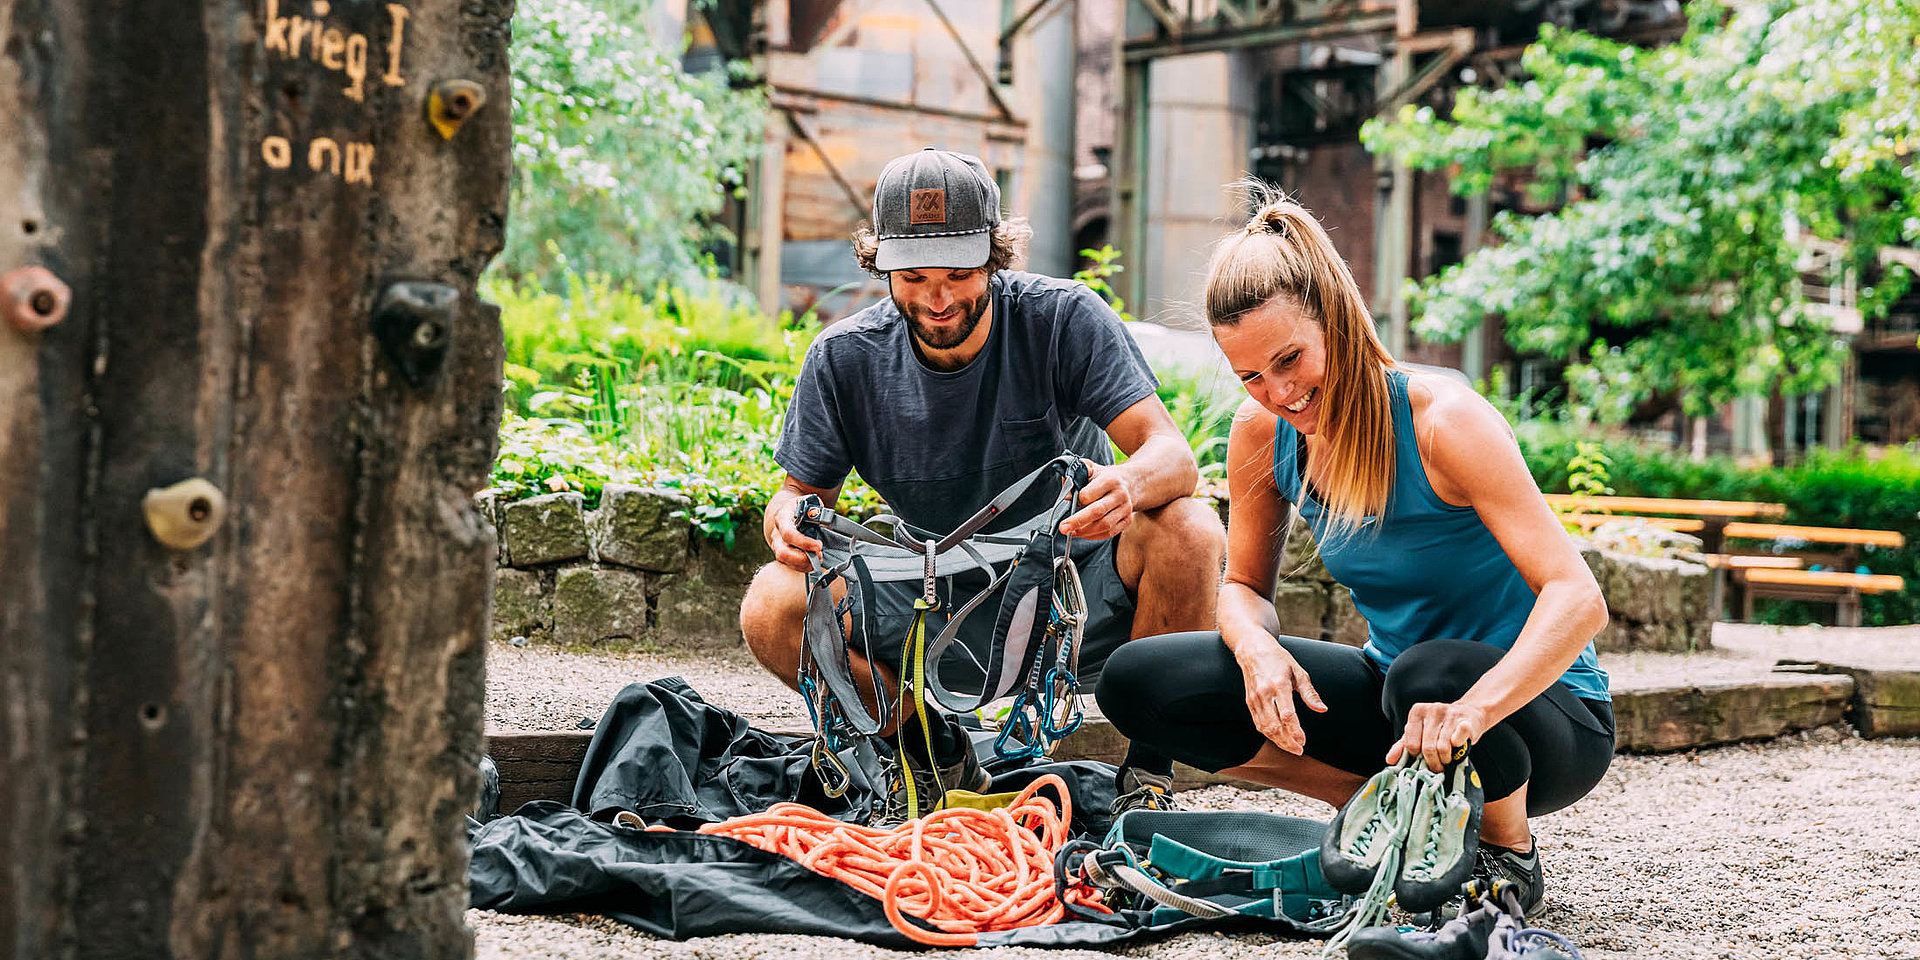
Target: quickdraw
[(1035, 651)]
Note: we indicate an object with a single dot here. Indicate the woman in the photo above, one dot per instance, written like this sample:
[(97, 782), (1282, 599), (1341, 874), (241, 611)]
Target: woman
[(1480, 610)]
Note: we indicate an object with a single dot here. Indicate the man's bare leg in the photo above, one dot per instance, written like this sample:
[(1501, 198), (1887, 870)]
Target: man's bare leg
[(773, 621), (1170, 560)]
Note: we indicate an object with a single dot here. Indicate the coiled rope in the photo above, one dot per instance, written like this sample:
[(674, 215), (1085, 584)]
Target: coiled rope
[(963, 871)]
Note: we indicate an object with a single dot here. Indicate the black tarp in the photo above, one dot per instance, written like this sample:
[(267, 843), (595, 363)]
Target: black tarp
[(673, 758)]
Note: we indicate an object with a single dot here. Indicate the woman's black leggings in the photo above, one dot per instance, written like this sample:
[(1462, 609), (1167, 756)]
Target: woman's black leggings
[(1183, 694)]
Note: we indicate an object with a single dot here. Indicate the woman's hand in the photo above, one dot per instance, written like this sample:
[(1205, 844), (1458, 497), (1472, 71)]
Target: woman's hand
[(1273, 677), (1436, 730)]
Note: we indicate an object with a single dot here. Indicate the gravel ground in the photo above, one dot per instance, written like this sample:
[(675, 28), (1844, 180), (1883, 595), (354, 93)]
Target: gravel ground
[(1803, 847), (539, 688), (1799, 848)]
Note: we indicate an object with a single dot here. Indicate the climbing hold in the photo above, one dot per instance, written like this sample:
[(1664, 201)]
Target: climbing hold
[(34, 298), (451, 102), (414, 323), (185, 515)]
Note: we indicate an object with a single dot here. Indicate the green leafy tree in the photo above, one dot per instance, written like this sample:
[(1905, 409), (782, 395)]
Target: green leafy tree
[(621, 159), (1690, 175)]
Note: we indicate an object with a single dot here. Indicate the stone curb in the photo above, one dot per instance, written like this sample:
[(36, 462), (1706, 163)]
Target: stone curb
[(542, 765)]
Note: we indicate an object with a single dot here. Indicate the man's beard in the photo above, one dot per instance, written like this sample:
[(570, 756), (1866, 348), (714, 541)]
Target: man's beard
[(933, 339)]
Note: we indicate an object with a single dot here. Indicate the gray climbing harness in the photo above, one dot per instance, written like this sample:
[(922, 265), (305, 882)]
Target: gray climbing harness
[(1034, 654)]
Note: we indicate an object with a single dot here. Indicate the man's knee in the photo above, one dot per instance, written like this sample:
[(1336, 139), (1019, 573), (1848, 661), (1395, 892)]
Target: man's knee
[(1182, 543), (1180, 531), (772, 614)]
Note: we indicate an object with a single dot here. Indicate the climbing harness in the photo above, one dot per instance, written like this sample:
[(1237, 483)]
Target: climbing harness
[(1169, 865), (1034, 654), (961, 871)]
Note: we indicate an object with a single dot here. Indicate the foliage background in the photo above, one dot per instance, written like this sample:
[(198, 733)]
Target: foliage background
[(1686, 173), (622, 161)]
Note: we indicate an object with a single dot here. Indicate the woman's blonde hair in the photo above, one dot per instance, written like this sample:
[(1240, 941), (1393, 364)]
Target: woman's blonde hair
[(1282, 251)]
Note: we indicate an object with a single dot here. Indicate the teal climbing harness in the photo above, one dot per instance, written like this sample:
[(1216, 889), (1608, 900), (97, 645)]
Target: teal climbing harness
[(1033, 656), (1163, 866)]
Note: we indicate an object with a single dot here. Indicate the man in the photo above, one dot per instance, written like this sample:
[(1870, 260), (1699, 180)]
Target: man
[(966, 378)]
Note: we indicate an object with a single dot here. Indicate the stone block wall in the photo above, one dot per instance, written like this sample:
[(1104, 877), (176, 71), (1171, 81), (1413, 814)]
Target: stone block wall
[(1654, 603), (632, 573)]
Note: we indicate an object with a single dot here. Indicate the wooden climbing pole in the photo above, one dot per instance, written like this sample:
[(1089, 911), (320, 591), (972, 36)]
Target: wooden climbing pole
[(246, 391)]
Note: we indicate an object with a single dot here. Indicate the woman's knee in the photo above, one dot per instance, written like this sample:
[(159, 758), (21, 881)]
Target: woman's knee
[(1142, 675), (1436, 671), (1127, 681)]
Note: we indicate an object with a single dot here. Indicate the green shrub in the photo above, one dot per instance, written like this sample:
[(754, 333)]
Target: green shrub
[(685, 390), (1856, 488), (622, 161)]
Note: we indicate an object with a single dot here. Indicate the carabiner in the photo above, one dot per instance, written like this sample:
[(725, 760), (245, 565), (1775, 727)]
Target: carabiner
[(1063, 713), (835, 779), (1021, 726)]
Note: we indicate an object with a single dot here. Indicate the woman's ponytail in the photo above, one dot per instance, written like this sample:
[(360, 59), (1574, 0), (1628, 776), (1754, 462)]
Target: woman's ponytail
[(1283, 252)]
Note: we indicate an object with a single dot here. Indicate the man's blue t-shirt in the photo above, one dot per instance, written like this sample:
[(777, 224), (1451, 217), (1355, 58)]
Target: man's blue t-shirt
[(1057, 367)]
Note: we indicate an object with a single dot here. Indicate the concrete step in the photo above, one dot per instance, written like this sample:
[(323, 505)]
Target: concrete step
[(1662, 702)]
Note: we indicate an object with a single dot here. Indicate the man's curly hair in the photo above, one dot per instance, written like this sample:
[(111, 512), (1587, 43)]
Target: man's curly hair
[(1009, 247)]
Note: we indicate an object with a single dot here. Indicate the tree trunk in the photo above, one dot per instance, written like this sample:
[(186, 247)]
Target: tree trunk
[(242, 714)]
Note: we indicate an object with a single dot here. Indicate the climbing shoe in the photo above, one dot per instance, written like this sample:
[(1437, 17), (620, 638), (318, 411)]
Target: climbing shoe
[(1488, 928), (930, 785), (1138, 789), (1442, 837), (1465, 937), (1520, 869), (1372, 823)]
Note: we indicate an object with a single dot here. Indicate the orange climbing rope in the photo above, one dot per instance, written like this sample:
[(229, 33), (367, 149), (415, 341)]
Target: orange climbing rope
[(964, 871)]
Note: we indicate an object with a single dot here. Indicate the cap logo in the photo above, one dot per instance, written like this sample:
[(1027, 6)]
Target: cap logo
[(927, 206)]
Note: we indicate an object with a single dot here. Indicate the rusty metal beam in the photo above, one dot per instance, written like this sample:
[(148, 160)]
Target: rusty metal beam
[(1168, 18), (804, 100), (858, 200), (1263, 36), (979, 70), (1020, 22), (1449, 49)]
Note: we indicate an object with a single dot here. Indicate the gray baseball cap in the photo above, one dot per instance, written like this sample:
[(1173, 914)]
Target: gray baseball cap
[(934, 209)]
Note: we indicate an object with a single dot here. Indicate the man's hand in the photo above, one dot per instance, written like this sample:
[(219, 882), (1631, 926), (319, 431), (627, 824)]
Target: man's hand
[(791, 548), (1108, 496)]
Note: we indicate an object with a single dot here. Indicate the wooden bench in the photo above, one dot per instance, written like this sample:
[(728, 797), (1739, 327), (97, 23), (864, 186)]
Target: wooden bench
[(1843, 590), (1763, 575), (1690, 508)]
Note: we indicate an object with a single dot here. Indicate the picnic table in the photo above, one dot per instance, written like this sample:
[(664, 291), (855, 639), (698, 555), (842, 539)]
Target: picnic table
[(1773, 574)]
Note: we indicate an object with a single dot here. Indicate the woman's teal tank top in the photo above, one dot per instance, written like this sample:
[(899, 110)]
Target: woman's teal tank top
[(1427, 569)]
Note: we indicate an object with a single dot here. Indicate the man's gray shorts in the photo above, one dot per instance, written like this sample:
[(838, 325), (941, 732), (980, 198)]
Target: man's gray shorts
[(899, 581)]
